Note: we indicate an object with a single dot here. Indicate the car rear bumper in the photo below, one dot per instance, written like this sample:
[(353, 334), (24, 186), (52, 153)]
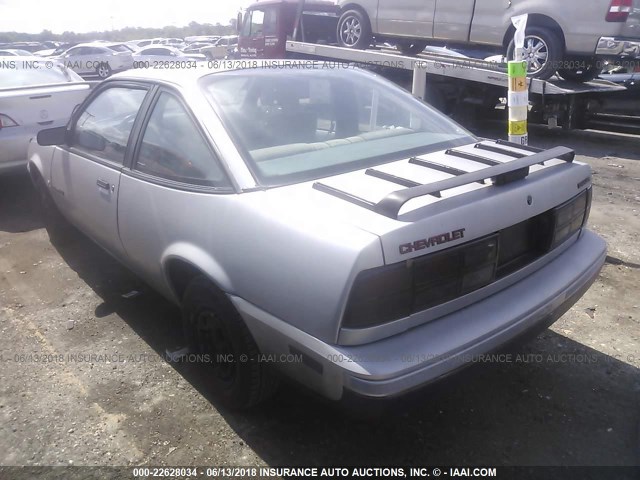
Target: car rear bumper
[(14, 143), (424, 354), (618, 47)]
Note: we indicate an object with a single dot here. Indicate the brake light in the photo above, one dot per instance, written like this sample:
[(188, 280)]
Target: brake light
[(619, 10), (7, 121), (384, 294)]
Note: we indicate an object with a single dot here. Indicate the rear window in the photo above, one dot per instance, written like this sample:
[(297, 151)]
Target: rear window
[(118, 48), (12, 76), (298, 124)]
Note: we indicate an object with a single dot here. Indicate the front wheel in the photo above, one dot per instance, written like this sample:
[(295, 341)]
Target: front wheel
[(543, 50), (354, 30), (214, 328), (103, 70)]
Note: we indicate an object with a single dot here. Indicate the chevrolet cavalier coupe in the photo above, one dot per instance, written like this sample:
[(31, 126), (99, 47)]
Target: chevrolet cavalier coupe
[(319, 212)]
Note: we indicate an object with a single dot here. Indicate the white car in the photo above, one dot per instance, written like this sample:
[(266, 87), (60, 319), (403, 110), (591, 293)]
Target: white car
[(31, 100), (101, 59), (14, 52), (155, 53), (222, 47)]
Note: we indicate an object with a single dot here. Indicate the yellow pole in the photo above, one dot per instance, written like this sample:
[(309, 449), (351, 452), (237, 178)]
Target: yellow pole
[(518, 102)]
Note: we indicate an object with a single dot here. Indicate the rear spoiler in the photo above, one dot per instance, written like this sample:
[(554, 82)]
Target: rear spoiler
[(500, 173)]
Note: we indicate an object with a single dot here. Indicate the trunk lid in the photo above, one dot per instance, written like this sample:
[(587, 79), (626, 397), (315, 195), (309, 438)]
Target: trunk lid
[(45, 106), (431, 223)]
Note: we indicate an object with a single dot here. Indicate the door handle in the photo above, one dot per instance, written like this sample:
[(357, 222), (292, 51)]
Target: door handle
[(103, 184)]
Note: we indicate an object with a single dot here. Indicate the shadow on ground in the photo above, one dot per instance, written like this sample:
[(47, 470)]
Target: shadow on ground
[(19, 207)]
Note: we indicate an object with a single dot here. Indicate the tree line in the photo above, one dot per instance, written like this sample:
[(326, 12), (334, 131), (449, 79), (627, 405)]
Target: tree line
[(124, 34)]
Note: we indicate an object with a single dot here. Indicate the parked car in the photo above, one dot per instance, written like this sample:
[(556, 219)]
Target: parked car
[(14, 52), (101, 59), (28, 46), (162, 54), (222, 47), (559, 37), (196, 47), (201, 38), (31, 100), (320, 221), (53, 52)]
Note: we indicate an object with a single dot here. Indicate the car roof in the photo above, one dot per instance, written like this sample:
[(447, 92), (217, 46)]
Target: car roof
[(188, 77)]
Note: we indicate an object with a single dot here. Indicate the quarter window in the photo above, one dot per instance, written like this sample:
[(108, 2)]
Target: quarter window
[(172, 147), (104, 127)]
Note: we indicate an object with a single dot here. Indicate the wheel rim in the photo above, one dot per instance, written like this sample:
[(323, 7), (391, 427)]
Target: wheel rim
[(103, 71), (351, 31), (536, 53), (211, 337)]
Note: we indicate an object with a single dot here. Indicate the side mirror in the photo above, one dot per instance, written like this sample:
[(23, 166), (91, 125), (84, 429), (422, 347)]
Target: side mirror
[(91, 141), (52, 136), (239, 22)]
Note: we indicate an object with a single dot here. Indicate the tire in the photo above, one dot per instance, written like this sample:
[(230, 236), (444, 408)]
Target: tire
[(59, 229), (354, 30), (581, 75), (411, 48), (103, 70), (543, 51), (213, 327)]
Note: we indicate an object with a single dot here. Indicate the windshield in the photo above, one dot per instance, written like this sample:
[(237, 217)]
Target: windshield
[(295, 125)]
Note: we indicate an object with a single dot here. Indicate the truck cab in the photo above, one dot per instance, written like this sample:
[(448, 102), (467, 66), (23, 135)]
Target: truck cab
[(267, 25)]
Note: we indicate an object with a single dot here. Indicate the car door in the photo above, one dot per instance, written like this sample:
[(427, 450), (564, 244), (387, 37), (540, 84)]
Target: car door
[(406, 18), (76, 59), (171, 189), (85, 174), (253, 31), (453, 19), (492, 18)]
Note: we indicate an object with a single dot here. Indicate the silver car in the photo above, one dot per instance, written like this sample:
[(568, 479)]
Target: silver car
[(567, 37), (33, 96), (315, 220), (101, 59)]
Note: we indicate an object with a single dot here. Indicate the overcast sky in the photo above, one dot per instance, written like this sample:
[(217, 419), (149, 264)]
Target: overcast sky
[(33, 16)]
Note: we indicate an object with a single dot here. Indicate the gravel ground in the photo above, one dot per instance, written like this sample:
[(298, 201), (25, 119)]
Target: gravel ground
[(573, 400)]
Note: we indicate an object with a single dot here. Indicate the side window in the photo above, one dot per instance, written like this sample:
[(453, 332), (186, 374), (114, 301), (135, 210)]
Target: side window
[(246, 28), (270, 21), (172, 147), (257, 21), (104, 127), (153, 51)]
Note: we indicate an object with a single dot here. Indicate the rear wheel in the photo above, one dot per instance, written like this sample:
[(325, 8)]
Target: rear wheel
[(411, 47), (213, 327), (543, 50), (354, 30)]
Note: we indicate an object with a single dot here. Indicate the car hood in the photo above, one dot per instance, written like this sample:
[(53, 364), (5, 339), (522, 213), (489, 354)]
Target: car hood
[(459, 214)]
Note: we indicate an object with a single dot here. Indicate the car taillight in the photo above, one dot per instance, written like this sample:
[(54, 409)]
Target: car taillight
[(619, 10), (570, 217), (384, 294), (7, 121)]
